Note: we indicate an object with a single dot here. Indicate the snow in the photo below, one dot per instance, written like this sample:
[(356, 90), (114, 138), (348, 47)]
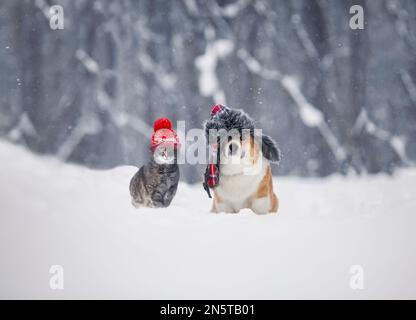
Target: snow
[(53, 213)]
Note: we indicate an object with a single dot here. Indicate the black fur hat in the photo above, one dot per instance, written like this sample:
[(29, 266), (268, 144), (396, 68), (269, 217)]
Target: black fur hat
[(223, 117)]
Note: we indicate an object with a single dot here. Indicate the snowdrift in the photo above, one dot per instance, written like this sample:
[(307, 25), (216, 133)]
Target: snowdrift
[(53, 213)]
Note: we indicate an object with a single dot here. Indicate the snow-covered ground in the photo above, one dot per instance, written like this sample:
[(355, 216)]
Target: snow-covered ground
[(58, 214)]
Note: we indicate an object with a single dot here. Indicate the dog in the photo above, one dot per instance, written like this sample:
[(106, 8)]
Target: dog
[(242, 178), (154, 185)]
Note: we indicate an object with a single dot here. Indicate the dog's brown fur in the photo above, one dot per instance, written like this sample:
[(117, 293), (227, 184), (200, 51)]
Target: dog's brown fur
[(265, 188)]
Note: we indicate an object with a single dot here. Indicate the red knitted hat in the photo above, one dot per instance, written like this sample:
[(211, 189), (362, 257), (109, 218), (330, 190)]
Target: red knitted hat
[(163, 133)]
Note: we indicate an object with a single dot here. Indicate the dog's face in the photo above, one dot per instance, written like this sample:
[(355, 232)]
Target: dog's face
[(239, 155)]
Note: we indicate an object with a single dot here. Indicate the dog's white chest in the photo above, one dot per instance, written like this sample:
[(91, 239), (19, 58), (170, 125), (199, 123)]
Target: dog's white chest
[(237, 191)]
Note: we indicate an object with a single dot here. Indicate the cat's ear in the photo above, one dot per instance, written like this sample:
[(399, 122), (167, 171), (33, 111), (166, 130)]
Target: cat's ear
[(269, 149)]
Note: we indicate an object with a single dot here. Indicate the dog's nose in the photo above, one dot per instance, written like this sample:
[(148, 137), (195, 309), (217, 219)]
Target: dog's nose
[(232, 149)]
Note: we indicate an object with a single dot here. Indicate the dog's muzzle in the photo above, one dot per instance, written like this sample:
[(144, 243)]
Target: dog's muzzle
[(233, 150)]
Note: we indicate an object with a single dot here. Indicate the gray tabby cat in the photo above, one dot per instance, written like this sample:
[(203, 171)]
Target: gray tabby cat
[(155, 184)]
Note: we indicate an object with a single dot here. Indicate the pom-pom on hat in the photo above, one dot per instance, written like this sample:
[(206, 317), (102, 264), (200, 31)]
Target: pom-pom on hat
[(162, 123), (163, 134), (217, 108)]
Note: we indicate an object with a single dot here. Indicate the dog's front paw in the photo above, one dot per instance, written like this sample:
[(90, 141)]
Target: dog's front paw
[(222, 207), (265, 205), (261, 205)]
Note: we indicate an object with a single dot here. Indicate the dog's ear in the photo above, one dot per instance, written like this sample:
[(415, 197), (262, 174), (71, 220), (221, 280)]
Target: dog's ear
[(269, 149)]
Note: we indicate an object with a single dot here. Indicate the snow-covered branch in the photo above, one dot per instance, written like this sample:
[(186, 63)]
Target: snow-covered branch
[(166, 80), (44, 7), (409, 85), (397, 143), (233, 9), (88, 124), (192, 7), (401, 16), (303, 36), (89, 63), (23, 127), (310, 115), (207, 65)]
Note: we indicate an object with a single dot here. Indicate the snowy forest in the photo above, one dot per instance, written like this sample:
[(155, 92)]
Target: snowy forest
[(336, 100)]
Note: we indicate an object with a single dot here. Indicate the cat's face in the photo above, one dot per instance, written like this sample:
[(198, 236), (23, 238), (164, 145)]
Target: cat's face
[(165, 154)]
